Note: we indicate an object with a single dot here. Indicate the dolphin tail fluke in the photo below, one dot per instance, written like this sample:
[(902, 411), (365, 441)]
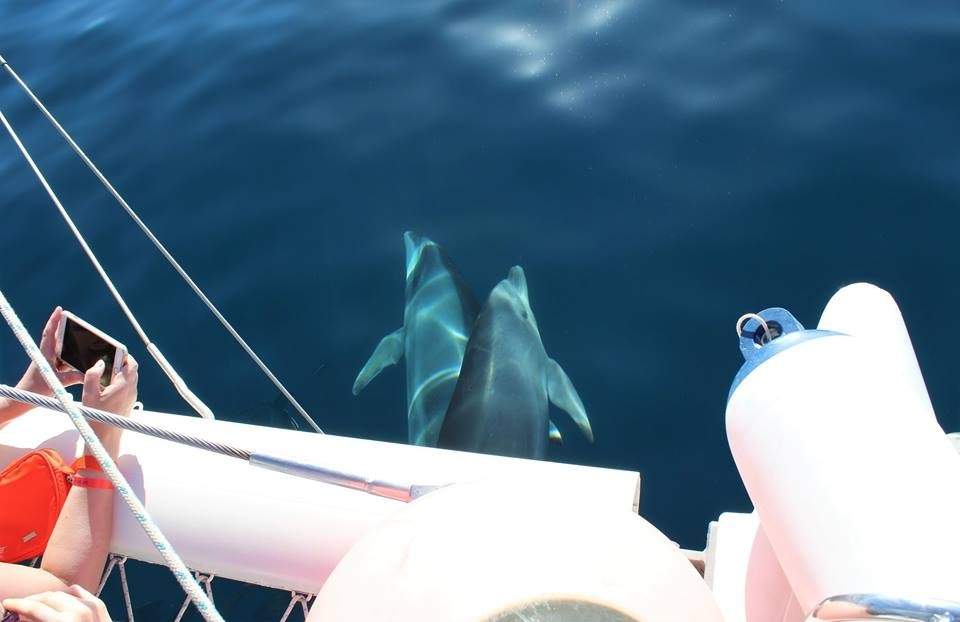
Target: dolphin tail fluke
[(389, 351), (564, 396), (554, 434)]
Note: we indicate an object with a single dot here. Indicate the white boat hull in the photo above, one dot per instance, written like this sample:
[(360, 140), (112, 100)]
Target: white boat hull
[(234, 520)]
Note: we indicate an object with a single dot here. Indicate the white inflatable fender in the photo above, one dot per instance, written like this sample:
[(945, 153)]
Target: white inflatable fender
[(513, 550), (838, 447)]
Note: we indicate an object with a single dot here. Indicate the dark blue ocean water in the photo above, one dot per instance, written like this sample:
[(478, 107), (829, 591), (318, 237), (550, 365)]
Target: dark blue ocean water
[(658, 168)]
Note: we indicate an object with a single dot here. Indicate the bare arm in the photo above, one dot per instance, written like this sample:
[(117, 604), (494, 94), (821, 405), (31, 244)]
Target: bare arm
[(32, 380), (79, 544), (20, 581), (80, 541)]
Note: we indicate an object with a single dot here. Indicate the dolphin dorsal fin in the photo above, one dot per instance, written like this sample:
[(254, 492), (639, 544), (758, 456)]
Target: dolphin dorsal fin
[(564, 396), (518, 279), (388, 352), (554, 434)]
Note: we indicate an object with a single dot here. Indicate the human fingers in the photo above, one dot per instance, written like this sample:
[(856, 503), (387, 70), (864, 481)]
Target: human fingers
[(51, 607), (48, 340), (30, 610), (60, 601), (80, 592), (92, 602), (126, 378), (119, 396), (68, 607), (130, 367), (119, 381), (68, 375), (91, 381)]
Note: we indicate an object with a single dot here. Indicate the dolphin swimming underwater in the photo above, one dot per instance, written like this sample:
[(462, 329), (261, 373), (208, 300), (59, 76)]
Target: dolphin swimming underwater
[(439, 313), (507, 382)]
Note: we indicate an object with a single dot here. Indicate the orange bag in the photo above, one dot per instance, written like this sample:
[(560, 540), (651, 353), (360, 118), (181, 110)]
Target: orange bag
[(33, 490)]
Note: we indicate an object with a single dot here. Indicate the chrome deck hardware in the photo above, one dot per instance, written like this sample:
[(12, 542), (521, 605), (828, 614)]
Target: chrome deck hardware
[(854, 607)]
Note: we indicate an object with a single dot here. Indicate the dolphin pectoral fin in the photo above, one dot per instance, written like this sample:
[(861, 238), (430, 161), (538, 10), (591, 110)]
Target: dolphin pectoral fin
[(388, 352), (554, 434), (564, 396)]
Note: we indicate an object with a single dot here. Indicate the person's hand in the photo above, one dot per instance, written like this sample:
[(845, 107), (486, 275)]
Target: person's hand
[(117, 397), (32, 379), (74, 605)]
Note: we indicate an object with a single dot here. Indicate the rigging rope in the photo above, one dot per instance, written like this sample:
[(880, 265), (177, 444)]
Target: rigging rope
[(398, 491), (162, 249), (124, 423), (169, 555), (154, 351)]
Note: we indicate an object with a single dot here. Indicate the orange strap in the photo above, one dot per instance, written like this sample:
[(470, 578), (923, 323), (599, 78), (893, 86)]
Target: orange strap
[(88, 463)]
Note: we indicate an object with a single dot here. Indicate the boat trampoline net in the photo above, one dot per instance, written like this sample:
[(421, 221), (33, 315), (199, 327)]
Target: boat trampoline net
[(263, 601)]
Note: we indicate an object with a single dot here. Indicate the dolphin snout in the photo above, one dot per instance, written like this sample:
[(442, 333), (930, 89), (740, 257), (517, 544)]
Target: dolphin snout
[(412, 238)]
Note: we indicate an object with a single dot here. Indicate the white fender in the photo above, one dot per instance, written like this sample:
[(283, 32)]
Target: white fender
[(514, 550), (837, 445), (865, 310), (744, 573)]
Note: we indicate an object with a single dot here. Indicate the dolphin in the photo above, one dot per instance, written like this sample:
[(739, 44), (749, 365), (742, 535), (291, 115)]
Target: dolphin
[(439, 312), (507, 382)]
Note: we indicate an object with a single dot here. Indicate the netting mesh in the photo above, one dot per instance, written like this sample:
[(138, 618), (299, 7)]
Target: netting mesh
[(117, 565)]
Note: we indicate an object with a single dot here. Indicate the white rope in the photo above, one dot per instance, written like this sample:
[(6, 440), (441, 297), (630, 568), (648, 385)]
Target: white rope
[(125, 587), (169, 555), (111, 564), (206, 580), (289, 609), (183, 609), (162, 249), (297, 597), (161, 360)]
